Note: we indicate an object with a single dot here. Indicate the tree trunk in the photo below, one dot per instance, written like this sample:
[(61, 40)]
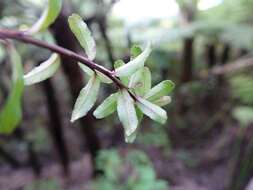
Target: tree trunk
[(33, 159), (55, 125), (187, 60), (211, 55), (102, 22), (225, 54)]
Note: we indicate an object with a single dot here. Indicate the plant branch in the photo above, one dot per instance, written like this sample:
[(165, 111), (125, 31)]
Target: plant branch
[(23, 37), (229, 68)]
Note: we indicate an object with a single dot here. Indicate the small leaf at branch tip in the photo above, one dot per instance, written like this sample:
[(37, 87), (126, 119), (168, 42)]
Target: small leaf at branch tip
[(126, 112), (135, 51), (135, 64), (44, 71), (153, 111), (83, 35), (48, 16), (118, 63), (86, 99)]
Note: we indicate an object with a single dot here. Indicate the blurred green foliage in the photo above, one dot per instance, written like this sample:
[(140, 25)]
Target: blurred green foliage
[(133, 171), (242, 88), (43, 184)]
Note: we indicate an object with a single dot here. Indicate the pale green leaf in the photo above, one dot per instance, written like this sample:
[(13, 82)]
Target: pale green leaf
[(86, 69), (141, 81), (108, 106), (130, 138), (162, 101), (103, 78), (44, 71), (135, 64), (11, 114), (161, 89), (86, 98), (83, 35), (48, 16), (117, 64), (126, 112), (152, 111)]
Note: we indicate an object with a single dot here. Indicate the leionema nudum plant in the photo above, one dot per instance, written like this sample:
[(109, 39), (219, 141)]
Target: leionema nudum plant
[(134, 97)]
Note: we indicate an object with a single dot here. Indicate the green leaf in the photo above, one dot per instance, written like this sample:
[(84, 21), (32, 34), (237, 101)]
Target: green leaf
[(83, 35), (44, 71), (135, 64), (86, 98), (139, 114), (141, 81), (86, 69), (151, 110), (244, 115), (48, 16), (163, 101), (11, 114), (117, 64), (108, 106), (135, 51), (130, 138), (126, 112), (161, 89), (103, 78)]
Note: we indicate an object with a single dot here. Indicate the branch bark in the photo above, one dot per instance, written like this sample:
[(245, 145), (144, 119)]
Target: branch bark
[(23, 37), (229, 68)]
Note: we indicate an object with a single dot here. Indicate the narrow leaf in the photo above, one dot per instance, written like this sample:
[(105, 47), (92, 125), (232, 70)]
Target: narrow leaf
[(130, 138), (135, 64), (48, 16), (44, 71), (126, 112), (103, 78), (161, 89), (117, 64), (11, 114), (83, 35), (141, 81), (86, 69), (163, 101), (139, 114), (152, 111), (86, 98), (108, 106)]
